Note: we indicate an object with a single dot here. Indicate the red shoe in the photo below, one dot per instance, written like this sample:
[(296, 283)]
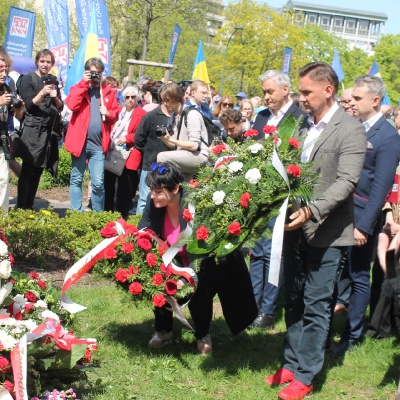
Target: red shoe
[(280, 377), (295, 391)]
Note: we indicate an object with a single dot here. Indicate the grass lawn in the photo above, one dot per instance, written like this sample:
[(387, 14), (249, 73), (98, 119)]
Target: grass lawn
[(235, 370)]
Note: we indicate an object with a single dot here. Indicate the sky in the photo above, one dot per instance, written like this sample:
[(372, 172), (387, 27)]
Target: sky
[(390, 7)]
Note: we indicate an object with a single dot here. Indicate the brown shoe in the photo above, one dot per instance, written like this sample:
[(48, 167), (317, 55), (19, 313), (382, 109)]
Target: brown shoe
[(204, 345)]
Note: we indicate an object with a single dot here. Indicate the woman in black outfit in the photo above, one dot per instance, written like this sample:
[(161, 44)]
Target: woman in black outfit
[(42, 99), (229, 278)]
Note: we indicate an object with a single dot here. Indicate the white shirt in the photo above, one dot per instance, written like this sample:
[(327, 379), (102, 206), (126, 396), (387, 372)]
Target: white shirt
[(275, 119), (370, 123), (315, 131)]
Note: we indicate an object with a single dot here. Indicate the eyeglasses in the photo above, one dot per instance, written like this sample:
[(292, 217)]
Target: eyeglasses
[(343, 102), (161, 169), (130, 97), (227, 104)]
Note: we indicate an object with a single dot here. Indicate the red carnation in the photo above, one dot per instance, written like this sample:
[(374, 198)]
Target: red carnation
[(187, 215), (294, 142), (131, 229), (127, 247), (34, 275), (194, 183), (244, 199), (9, 386), (218, 149), (294, 170), (161, 250), (110, 224), (135, 288), (270, 129), (42, 284), (159, 300), (144, 244), (167, 270), (171, 287), (28, 307), (251, 133), (110, 253), (133, 270), (202, 233), (121, 275), (151, 259), (108, 232), (234, 228), (157, 280), (30, 296), (5, 365)]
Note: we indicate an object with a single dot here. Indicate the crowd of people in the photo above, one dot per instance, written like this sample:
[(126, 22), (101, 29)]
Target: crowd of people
[(150, 137)]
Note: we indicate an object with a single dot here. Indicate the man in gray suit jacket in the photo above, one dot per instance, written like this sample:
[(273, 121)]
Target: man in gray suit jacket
[(317, 234)]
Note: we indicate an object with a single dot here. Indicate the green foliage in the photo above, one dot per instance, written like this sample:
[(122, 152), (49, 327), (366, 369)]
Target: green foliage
[(63, 172)]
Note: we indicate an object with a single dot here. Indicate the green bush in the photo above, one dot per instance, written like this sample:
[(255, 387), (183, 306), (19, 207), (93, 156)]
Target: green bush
[(36, 235), (64, 172)]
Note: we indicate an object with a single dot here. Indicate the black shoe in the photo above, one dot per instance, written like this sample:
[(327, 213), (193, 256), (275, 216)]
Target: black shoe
[(345, 346), (264, 321)]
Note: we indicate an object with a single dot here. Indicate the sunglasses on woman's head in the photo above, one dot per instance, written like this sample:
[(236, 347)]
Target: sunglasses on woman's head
[(227, 104), (130, 97), (161, 169)]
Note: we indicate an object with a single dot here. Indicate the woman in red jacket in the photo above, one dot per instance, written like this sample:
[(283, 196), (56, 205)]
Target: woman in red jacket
[(122, 136)]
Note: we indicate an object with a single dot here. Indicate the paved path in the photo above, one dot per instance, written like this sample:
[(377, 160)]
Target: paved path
[(59, 207)]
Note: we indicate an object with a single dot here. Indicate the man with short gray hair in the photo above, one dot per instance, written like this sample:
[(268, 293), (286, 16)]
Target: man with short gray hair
[(381, 160), (275, 85)]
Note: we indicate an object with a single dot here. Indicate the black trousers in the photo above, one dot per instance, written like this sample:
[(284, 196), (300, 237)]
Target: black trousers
[(124, 186), (28, 184)]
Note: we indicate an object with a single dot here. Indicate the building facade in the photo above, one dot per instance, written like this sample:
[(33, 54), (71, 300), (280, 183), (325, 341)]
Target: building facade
[(361, 29)]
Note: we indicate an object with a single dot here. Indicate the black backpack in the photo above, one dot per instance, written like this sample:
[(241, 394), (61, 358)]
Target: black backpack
[(213, 130)]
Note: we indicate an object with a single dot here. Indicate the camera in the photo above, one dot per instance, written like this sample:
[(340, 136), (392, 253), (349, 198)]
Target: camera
[(15, 100), (163, 130), (94, 76), (49, 79)]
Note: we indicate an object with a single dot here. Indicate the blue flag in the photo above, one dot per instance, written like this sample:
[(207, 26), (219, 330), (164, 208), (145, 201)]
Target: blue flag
[(287, 58), (337, 66), (57, 26), (374, 71), (89, 48)]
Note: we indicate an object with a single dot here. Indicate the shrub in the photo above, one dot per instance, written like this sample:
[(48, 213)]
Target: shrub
[(63, 172)]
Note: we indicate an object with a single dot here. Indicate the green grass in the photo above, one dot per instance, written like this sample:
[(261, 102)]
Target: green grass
[(235, 370)]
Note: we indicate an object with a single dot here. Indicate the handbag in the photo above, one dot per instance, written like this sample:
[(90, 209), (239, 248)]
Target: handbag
[(116, 160), (7, 145)]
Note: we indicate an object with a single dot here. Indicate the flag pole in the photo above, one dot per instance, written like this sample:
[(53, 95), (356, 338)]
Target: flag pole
[(103, 117)]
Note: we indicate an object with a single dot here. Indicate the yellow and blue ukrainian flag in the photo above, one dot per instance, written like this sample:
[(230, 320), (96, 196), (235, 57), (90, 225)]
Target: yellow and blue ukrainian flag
[(374, 71), (199, 67), (88, 48)]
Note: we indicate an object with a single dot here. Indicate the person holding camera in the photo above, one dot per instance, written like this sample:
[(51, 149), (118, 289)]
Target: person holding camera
[(187, 136), (41, 95), (95, 110)]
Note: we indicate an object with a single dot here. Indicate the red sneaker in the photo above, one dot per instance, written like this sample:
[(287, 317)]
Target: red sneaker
[(280, 377), (295, 391)]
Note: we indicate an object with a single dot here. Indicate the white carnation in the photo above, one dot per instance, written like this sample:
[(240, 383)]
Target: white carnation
[(5, 269), (41, 304), (253, 175), (30, 325), (218, 197), (3, 249), (7, 340), (235, 166), (255, 148), (50, 314), (20, 300)]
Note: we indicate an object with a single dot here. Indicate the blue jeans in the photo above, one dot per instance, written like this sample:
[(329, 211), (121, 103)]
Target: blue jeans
[(144, 191), (264, 292), (96, 169), (309, 279)]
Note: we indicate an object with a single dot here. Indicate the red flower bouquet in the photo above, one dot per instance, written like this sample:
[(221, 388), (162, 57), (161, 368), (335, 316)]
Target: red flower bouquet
[(136, 264)]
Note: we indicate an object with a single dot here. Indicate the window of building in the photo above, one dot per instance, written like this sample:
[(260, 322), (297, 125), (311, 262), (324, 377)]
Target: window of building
[(312, 18), (350, 26), (325, 23), (363, 28), (338, 24)]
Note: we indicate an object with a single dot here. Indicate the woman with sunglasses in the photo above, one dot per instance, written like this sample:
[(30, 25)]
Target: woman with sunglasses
[(123, 137), (226, 103), (188, 134), (229, 278)]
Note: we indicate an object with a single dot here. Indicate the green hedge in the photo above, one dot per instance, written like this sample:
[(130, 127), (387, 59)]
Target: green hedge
[(37, 235)]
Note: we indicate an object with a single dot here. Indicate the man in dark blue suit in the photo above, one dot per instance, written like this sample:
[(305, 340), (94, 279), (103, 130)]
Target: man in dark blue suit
[(275, 85), (381, 159)]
